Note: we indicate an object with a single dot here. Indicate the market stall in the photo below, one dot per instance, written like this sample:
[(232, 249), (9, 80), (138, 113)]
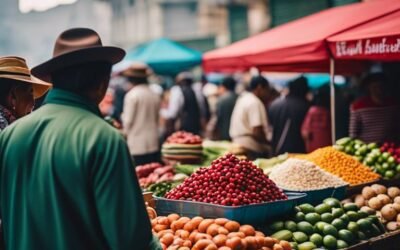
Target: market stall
[(333, 198), (164, 56), (295, 47)]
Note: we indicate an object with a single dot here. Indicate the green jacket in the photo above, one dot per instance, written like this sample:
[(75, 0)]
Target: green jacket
[(67, 182)]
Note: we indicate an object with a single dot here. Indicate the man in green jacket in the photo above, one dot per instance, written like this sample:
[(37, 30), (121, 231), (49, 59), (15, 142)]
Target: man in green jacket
[(66, 177)]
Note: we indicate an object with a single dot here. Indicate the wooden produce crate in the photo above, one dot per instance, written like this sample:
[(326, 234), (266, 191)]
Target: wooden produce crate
[(148, 198), (388, 241), (360, 246)]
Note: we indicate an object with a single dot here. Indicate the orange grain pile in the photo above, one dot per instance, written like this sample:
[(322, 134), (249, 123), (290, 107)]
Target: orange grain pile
[(342, 165)]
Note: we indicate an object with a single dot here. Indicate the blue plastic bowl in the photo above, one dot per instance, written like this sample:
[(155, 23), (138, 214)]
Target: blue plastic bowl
[(256, 214), (315, 197)]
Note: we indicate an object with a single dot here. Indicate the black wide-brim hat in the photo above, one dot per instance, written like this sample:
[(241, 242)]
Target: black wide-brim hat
[(77, 46)]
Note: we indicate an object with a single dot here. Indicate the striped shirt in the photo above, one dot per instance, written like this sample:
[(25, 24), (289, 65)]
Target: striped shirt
[(371, 122)]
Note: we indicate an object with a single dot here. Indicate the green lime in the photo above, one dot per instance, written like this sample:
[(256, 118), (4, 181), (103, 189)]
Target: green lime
[(300, 237), (330, 242), (362, 214), (342, 244), (332, 202), (385, 166), (371, 146), (316, 239), (306, 208), (327, 217), (294, 245), (291, 225), (398, 168), (346, 235), (320, 226), (305, 227), (300, 216), (323, 208), (350, 207), (391, 160), (385, 156), (338, 223), (345, 218), (389, 174), (330, 230), (361, 236), (276, 226), (353, 216), (306, 246), (364, 224), (313, 218), (353, 227), (337, 212)]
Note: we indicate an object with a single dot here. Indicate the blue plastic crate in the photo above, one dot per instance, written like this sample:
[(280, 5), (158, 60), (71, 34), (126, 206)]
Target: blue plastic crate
[(256, 214), (317, 196)]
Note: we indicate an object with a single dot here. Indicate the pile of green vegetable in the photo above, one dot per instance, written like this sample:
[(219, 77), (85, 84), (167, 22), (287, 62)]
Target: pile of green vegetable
[(330, 225), (161, 188)]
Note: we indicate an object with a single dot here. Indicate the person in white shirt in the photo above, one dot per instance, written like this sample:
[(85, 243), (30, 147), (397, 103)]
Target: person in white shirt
[(249, 124), (140, 117)]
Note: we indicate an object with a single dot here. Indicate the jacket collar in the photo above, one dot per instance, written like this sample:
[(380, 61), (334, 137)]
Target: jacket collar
[(63, 97)]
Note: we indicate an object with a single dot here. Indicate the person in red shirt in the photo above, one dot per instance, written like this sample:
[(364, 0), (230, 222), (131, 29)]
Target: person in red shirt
[(375, 117), (316, 128)]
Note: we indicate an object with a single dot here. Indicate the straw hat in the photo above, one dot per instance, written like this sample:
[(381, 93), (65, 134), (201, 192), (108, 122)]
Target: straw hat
[(139, 70), (15, 68), (77, 46)]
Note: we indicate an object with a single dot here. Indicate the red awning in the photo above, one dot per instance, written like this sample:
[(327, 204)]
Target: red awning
[(375, 40), (298, 46)]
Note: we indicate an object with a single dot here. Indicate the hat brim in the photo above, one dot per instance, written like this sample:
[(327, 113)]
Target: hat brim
[(39, 87), (94, 54)]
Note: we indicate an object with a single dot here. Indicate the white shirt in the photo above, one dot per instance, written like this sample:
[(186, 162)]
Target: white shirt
[(249, 112), (140, 120), (177, 100)]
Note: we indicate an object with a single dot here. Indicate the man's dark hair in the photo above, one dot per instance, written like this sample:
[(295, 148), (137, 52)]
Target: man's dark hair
[(229, 83), (321, 96), (374, 77), (137, 80), (81, 78), (258, 81), (298, 87), (6, 85)]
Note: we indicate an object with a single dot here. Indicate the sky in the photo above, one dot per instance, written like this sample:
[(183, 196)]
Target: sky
[(26, 6)]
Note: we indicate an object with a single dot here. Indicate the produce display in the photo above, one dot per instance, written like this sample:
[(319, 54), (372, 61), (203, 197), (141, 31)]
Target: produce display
[(229, 182), (161, 188), (183, 233), (330, 225), (341, 165), (153, 173), (302, 175), (183, 147), (268, 164), (379, 159), (392, 149), (382, 201)]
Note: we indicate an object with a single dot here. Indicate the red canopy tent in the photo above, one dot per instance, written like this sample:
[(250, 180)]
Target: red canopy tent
[(301, 45), (376, 40), (298, 46)]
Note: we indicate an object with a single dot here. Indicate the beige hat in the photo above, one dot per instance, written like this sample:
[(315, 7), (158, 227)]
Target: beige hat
[(15, 68)]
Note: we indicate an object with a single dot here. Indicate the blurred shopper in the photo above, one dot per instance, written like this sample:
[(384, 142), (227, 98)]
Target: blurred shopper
[(18, 90), (205, 114), (183, 111), (67, 179), (249, 125), (375, 117), (140, 117), (286, 117), (316, 128), (225, 104)]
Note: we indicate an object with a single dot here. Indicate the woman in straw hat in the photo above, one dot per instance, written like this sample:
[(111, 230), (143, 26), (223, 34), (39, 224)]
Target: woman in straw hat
[(18, 89)]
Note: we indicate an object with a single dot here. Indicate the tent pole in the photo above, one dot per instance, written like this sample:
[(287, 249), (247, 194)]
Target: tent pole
[(332, 101)]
